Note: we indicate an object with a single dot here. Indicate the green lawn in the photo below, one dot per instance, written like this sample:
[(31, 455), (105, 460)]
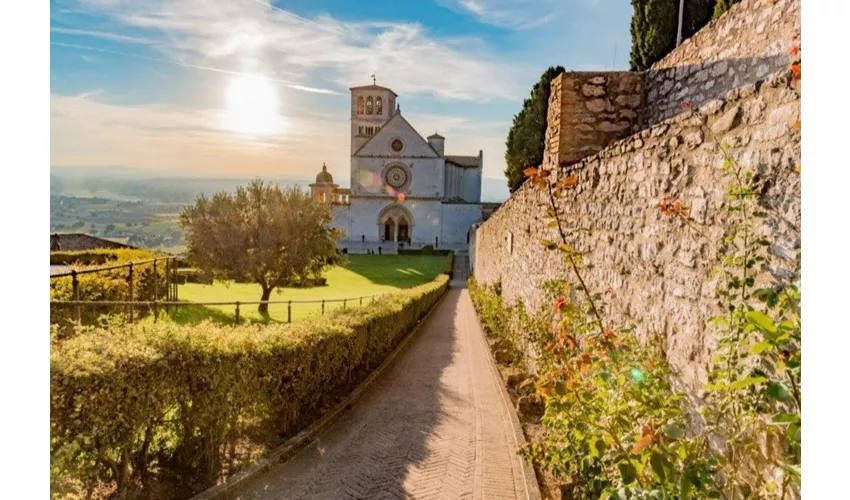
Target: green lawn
[(364, 275)]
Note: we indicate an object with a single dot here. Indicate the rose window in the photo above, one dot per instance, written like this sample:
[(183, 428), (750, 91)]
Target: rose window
[(396, 177)]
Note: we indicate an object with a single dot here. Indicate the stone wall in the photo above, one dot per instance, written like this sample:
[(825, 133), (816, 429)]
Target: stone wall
[(752, 40), (590, 110), (654, 268)]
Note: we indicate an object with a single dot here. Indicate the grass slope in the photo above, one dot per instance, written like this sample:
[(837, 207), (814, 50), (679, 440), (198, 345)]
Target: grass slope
[(364, 275)]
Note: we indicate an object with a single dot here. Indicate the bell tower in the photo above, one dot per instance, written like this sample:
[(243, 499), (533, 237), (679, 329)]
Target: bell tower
[(371, 107)]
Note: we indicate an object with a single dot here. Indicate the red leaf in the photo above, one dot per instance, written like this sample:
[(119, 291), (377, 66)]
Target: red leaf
[(642, 443)]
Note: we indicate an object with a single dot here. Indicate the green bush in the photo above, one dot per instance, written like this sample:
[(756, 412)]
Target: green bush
[(100, 257), (426, 250), (111, 285), (507, 324), (170, 408), (613, 425)]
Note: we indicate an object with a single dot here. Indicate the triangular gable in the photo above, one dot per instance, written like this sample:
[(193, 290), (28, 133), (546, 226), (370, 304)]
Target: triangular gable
[(397, 126)]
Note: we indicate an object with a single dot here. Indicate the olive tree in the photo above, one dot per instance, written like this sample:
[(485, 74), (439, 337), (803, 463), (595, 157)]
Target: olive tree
[(262, 233)]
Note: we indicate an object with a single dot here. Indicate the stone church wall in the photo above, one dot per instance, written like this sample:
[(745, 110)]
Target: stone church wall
[(342, 219), (657, 269), (426, 175), (458, 219)]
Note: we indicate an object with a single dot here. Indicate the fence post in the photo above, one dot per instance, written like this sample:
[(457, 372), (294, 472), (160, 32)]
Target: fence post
[(130, 281), (289, 312), (155, 310), (343, 303), (155, 282), (237, 312), (75, 285), (323, 307), (361, 301), (167, 281)]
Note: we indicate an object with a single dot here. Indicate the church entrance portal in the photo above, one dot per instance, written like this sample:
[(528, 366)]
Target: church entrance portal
[(395, 223), (403, 230), (389, 229)]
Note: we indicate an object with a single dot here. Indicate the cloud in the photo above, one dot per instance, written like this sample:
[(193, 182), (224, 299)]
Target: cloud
[(517, 14), (195, 66), (260, 38), (509, 14), (115, 37), (85, 131), (89, 94)]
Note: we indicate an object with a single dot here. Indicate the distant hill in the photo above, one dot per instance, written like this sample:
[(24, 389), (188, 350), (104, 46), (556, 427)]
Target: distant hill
[(131, 184)]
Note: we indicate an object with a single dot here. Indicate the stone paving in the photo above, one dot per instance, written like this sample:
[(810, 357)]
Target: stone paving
[(437, 424)]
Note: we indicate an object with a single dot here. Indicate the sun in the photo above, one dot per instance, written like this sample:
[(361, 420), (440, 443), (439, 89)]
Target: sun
[(251, 106)]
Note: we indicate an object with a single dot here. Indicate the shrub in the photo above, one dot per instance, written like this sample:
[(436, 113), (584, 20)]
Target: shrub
[(614, 426), (162, 407), (503, 323), (110, 285), (99, 257)]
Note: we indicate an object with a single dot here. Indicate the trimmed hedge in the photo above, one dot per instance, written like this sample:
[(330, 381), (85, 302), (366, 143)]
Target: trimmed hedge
[(169, 409), (426, 250)]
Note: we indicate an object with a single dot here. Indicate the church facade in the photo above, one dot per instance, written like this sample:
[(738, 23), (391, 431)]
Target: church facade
[(405, 191)]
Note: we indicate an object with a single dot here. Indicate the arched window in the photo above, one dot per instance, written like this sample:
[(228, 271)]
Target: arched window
[(360, 105), (369, 105), (379, 106)]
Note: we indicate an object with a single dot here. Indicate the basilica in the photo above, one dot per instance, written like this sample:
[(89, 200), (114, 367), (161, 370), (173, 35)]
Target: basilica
[(406, 192)]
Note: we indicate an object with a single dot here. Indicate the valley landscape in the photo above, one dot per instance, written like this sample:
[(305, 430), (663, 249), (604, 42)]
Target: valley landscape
[(141, 208)]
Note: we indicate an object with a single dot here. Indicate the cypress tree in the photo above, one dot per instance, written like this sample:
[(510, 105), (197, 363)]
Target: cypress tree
[(525, 143), (655, 24)]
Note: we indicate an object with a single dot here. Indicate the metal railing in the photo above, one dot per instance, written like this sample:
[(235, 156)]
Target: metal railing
[(157, 305), (171, 293)]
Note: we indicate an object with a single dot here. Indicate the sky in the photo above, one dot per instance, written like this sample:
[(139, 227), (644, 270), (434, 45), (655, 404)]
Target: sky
[(244, 88)]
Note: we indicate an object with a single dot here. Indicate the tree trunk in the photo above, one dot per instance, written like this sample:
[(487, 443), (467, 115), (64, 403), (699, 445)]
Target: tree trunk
[(263, 309)]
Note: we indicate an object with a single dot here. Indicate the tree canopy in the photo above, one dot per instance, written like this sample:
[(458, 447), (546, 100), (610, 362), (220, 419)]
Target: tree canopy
[(262, 233), (528, 132)]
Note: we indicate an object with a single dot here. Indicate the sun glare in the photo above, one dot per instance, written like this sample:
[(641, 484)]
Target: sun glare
[(252, 106)]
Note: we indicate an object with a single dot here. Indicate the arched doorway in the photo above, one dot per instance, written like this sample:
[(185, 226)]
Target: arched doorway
[(395, 223), (403, 230), (389, 229)]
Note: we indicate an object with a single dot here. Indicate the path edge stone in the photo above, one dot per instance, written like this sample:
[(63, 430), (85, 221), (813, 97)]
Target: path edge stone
[(532, 486), (305, 437)]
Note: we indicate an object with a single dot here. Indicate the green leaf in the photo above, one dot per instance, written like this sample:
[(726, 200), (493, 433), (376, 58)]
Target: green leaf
[(794, 433), (762, 321), (761, 347), (657, 463), (627, 470), (673, 431), (777, 392), (783, 418), (684, 487), (597, 448), (747, 382)]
